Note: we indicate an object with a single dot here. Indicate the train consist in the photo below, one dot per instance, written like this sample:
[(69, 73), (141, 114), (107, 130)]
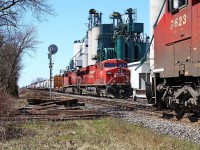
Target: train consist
[(176, 80), (110, 78)]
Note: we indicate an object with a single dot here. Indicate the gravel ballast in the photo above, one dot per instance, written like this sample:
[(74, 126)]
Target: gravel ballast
[(159, 125), (178, 129)]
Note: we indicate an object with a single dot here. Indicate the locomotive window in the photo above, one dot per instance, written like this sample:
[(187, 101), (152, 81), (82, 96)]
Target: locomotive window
[(101, 66), (182, 3), (110, 65), (122, 65), (174, 5)]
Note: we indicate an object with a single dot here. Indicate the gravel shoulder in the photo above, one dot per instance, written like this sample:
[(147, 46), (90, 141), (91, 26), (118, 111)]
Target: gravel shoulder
[(178, 129)]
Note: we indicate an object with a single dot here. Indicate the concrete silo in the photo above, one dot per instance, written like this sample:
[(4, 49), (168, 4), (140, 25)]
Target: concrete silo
[(93, 34), (77, 54), (85, 53)]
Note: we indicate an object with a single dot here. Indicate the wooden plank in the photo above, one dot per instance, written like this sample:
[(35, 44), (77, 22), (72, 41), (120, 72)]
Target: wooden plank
[(45, 107), (72, 112), (59, 101)]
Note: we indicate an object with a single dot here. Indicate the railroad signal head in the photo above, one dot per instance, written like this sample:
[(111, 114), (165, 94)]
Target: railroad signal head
[(52, 49)]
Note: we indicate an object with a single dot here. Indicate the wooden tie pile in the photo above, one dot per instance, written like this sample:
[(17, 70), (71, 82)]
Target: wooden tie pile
[(55, 109)]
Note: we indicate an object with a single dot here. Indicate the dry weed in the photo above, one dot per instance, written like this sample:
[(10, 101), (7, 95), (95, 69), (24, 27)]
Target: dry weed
[(7, 103)]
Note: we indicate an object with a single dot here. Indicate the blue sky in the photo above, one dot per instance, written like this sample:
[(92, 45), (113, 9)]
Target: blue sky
[(66, 27)]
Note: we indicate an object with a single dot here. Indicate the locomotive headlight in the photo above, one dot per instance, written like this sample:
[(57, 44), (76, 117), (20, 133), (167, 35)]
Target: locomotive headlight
[(109, 72), (119, 70)]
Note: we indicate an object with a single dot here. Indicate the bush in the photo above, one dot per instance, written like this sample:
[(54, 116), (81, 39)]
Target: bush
[(6, 102)]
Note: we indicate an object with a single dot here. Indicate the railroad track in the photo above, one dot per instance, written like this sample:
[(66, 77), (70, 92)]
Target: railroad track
[(138, 112), (139, 106), (49, 110)]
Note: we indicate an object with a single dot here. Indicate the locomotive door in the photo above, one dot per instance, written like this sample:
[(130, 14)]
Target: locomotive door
[(183, 62), (169, 61)]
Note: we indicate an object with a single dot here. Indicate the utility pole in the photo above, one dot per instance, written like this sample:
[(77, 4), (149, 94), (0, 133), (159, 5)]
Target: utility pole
[(52, 50)]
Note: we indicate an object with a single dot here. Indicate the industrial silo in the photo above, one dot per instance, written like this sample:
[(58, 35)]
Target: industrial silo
[(95, 36), (155, 8), (120, 47), (77, 54), (85, 53), (90, 47)]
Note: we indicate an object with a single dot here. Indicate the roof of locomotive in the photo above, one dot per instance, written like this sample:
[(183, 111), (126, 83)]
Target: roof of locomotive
[(114, 61), (103, 62)]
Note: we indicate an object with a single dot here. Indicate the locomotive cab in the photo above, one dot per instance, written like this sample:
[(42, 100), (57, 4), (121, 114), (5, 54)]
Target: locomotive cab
[(114, 72), (116, 77)]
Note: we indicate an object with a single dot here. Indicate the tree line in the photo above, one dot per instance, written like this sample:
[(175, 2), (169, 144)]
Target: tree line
[(18, 39)]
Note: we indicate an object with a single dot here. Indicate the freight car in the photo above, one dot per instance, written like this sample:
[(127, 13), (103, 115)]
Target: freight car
[(109, 78), (176, 74), (43, 85), (58, 83)]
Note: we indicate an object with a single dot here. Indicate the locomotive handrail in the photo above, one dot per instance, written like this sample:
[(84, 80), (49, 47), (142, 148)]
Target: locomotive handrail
[(147, 72)]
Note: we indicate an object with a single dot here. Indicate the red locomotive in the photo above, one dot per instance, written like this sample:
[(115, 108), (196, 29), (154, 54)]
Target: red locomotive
[(110, 78), (176, 82)]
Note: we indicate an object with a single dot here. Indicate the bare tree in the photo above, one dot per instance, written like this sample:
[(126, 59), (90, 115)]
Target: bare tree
[(15, 40), (11, 11), (15, 45)]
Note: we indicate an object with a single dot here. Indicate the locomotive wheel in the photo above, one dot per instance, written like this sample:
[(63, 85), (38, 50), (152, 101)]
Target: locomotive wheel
[(198, 114), (179, 110), (149, 91), (151, 101), (98, 91), (80, 91)]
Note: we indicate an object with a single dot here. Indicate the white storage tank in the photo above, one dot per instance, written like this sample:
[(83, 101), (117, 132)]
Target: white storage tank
[(85, 53), (77, 48), (79, 61), (85, 46), (90, 47), (95, 35)]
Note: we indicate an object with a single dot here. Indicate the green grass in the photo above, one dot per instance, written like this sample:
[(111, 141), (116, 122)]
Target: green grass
[(106, 133)]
